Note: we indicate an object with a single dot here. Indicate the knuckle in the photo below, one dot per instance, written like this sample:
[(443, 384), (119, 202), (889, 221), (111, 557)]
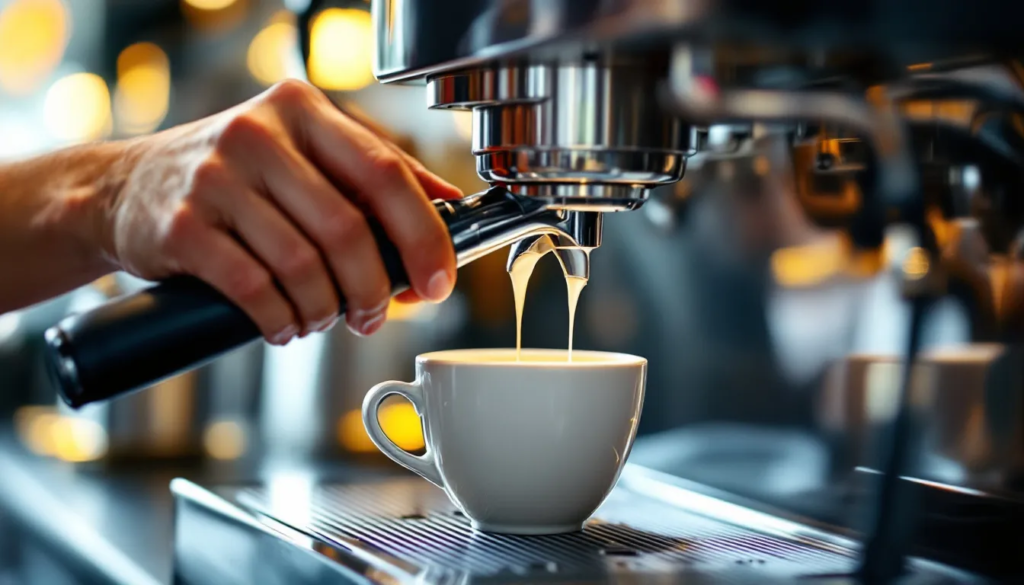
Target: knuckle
[(248, 285), (292, 92), (343, 230), (386, 162), (181, 228), (244, 130), (209, 174), (301, 263)]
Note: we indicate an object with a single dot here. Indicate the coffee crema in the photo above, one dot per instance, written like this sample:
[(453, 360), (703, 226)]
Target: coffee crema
[(530, 357)]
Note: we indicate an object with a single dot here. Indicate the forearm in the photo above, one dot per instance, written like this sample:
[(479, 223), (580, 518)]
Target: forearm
[(53, 209)]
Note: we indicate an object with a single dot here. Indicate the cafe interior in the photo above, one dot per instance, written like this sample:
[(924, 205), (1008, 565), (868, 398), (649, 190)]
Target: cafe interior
[(782, 438)]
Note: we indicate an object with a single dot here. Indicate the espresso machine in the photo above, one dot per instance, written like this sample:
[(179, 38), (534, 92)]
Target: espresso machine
[(889, 116)]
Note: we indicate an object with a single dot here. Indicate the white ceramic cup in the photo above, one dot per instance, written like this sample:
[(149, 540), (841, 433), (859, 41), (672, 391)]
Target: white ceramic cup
[(521, 447)]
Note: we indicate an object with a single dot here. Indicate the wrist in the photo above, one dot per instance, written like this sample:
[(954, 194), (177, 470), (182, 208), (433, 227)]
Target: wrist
[(83, 203), (106, 186)]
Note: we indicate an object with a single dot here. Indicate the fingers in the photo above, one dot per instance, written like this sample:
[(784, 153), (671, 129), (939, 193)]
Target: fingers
[(213, 256), (331, 225), (436, 187), (381, 177), (291, 258), (408, 297), (289, 181)]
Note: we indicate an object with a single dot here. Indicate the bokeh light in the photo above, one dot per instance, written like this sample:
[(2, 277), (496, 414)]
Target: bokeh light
[(69, 438), (77, 108), (341, 49), (214, 15), (225, 440), (143, 90), (398, 420), (210, 4), (270, 49), (33, 37)]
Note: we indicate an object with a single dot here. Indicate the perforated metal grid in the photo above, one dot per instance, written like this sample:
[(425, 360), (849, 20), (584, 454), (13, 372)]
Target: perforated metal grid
[(414, 523)]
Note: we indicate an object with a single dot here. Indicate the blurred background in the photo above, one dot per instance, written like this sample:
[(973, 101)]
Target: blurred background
[(741, 305)]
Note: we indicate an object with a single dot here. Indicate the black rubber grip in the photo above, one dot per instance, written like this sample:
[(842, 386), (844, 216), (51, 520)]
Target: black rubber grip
[(140, 339)]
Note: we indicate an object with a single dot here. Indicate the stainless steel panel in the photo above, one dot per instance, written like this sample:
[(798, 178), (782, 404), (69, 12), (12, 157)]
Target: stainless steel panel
[(421, 37)]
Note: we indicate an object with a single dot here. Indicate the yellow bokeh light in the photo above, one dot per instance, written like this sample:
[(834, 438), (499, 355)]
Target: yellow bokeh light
[(352, 435), (809, 265), (33, 424), (916, 264), (143, 90), (402, 425), (210, 4), (341, 45), (214, 15), (77, 108), (68, 438), (33, 36), (268, 53), (397, 418), (225, 440), (78, 440), (421, 311)]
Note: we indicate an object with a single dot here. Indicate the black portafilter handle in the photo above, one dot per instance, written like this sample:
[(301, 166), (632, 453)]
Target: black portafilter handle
[(137, 340)]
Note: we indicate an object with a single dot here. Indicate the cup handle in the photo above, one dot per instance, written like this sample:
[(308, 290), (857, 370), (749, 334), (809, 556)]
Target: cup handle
[(424, 465)]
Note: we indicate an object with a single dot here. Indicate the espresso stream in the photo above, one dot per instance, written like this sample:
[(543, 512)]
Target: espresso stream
[(520, 274)]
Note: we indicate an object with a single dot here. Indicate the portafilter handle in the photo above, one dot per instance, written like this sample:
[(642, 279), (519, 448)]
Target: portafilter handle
[(137, 340)]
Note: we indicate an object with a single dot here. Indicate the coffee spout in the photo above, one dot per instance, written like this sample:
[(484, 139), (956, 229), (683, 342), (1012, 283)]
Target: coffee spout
[(571, 239)]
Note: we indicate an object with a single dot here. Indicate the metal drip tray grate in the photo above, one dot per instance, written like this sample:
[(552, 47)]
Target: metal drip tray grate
[(413, 526)]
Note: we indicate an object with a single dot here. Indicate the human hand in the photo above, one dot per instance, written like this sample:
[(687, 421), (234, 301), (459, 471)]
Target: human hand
[(266, 203)]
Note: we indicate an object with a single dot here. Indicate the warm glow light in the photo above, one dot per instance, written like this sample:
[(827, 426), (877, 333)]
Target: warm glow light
[(77, 440), (916, 264), (352, 435), (77, 108), (214, 15), (210, 4), (143, 88), (33, 36), (269, 52), (33, 424), (402, 425), (397, 418), (68, 438), (410, 311), (802, 266), (341, 45), (225, 440)]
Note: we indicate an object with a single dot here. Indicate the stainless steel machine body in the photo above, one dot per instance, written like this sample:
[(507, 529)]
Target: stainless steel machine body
[(591, 106)]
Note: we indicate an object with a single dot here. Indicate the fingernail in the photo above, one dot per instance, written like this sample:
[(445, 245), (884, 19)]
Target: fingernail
[(285, 335), (370, 327), (366, 325), (325, 324), (439, 286)]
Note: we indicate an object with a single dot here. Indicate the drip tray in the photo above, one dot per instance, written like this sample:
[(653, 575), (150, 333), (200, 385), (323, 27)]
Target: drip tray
[(651, 529)]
